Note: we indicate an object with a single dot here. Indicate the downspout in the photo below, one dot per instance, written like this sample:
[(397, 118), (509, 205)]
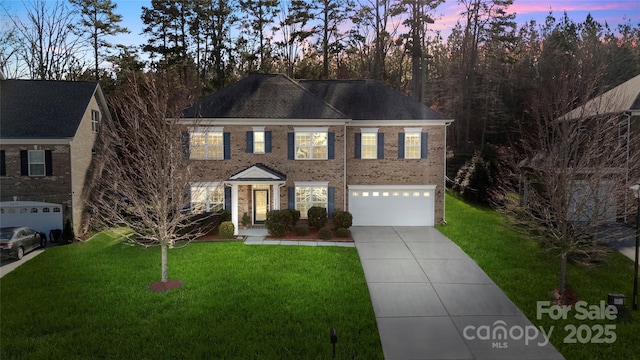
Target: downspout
[(344, 169), (626, 195), (444, 178)]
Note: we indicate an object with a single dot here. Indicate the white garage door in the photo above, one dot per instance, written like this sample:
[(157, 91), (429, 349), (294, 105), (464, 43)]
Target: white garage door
[(39, 216), (392, 205)]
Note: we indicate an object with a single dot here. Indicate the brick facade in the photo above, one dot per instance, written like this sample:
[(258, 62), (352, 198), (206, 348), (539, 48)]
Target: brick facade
[(71, 161), (387, 171)]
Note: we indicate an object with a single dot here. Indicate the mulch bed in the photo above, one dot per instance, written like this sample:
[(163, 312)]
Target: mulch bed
[(313, 236), (161, 287)]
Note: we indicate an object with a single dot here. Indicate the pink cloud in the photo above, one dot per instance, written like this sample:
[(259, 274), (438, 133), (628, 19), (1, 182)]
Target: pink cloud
[(529, 6)]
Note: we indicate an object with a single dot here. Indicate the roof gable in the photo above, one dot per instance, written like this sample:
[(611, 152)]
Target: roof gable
[(43, 109), (259, 172), (622, 98), (369, 100), (263, 96)]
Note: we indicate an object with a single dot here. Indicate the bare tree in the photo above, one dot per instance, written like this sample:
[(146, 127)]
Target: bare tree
[(143, 174), (575, 178), (48, 49)]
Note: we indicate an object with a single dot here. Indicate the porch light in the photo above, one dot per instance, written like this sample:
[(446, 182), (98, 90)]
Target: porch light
[(636, 194)]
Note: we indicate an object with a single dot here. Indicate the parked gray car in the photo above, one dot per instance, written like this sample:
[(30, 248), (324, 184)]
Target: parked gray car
[(17, 241)]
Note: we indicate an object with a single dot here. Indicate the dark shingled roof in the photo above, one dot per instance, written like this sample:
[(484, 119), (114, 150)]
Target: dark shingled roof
[(43, 109), (369, 100), (263, 96), (280, 176)]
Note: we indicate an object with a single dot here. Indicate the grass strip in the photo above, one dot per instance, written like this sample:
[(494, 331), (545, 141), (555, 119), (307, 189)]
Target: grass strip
[(527, 274), (89, 300)]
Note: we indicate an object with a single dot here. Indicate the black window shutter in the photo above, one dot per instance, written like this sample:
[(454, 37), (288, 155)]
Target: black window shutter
[(331, 154), (48, 162), (3, 164), (24, 163), (227, 145), (291, 201), (227, 198), (357, 150), (380, 146), (291, 144), (423, 145), (249, 141), (185, 145), (400, 145), (331, 191), (267, 141)]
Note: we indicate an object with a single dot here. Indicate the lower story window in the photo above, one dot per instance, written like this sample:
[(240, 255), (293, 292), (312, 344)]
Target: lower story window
[(207, 198), (309, 196)]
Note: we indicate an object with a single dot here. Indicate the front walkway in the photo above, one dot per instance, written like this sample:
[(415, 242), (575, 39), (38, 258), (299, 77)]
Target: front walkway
[(257, 236), (432, 301)]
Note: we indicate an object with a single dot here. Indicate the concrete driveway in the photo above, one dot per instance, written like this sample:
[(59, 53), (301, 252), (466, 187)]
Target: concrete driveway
[(432, 301), (8, 265)]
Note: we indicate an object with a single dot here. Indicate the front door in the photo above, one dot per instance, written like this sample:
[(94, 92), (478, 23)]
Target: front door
[(260, 205)]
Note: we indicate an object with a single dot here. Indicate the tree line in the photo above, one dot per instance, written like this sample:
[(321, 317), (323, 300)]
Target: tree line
[(484, 75)]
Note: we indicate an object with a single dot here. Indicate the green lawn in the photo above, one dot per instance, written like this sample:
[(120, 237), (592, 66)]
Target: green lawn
[(527, 275), (89, 300)]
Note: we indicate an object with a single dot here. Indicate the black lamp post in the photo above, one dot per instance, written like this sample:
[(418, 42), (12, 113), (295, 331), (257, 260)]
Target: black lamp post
[(636, 194)]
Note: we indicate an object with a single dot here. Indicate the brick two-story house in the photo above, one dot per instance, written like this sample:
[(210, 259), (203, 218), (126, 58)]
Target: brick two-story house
[(48, 131), (269, 142)]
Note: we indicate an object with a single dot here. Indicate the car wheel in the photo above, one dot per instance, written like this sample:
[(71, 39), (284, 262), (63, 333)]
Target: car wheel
[(20, 253), (43, 241)]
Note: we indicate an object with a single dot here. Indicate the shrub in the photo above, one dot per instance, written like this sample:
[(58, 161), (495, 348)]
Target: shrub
[(246, 220), (343, 233), (226, 230), (325, 233), (68, 234), (278, 222), (317, 217), (295, 216), (302, 230), (224, 215), (342, 219)]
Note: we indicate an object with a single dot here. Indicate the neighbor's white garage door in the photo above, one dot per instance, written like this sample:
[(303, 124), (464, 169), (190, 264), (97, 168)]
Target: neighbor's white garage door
[(392, 205), (39, 216)]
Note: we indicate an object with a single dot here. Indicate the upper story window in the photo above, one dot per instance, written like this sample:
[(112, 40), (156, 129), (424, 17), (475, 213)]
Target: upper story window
[(258, 141), (36, 163), (311, 144), (206, 144), (369, 144), (95, 120), (412, 144)]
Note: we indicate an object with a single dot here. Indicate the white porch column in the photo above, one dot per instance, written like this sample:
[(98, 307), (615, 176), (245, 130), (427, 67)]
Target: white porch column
[(276, 197), (234, 208)]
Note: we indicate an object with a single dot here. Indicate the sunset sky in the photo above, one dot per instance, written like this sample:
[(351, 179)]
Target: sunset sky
[(612, 12)]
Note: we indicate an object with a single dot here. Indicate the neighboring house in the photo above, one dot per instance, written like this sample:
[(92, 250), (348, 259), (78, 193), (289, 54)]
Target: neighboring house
[(48, 130), (621, 104), (268, 142)]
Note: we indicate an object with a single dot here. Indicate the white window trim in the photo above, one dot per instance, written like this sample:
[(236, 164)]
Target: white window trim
[(375, 144), (412, 131), (95, 121), (206, 130), (310, 184), (206, 185), (310, 130), (264, 138), (43, 163)]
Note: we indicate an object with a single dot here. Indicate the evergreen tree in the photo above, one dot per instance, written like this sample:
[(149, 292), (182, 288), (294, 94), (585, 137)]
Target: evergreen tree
[(98, 20)]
